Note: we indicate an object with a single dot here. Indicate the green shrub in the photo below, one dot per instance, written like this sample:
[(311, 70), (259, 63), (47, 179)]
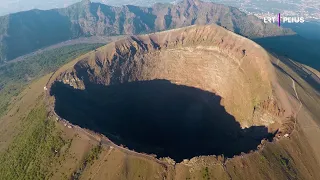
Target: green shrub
[(15, 76), (33, 151)]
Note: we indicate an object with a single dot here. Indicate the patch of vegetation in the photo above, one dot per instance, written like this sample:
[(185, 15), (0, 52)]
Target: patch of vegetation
[(255, 101), (34, 150), (93, 154), (288, 167), (206, 174), (263, 159), (15, 76), (88, 160), (279, 160), (284, 161)]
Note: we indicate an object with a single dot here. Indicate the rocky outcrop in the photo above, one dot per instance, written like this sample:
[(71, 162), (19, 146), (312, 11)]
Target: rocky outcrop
[(268, 112), (72, 80)]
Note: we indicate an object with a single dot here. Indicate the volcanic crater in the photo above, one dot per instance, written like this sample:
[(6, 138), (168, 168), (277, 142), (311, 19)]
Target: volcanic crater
[(200, 90)]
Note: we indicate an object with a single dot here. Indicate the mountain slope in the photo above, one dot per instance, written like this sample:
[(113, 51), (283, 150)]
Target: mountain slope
[(199, 57), (24, 32)]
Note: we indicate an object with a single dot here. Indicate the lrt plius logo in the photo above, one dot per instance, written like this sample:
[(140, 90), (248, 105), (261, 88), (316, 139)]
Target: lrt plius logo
[(281, 19)]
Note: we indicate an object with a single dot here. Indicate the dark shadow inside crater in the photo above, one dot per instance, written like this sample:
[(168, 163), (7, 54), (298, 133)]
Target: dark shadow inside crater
[(158, 117)]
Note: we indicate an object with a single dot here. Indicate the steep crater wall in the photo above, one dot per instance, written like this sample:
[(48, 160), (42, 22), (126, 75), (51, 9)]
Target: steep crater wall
[(200, 90)]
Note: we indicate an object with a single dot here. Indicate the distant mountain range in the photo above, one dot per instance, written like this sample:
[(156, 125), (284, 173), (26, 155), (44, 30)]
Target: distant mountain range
[(24, 32)]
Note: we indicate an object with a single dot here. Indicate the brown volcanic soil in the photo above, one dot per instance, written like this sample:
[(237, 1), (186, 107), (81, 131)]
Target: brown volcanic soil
[(205, 57), (296, 157), (200, 90)]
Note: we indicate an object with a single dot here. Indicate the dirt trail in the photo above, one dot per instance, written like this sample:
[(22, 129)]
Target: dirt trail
[(87, 40), (294, 88), (300, 106), (100, 165)]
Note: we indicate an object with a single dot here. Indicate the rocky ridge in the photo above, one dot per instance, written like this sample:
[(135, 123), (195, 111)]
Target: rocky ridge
[(240, 71), (27, 31)]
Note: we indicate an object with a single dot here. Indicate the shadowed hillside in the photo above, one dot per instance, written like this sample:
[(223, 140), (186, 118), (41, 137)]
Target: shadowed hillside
[(24, 32), (295, 47)]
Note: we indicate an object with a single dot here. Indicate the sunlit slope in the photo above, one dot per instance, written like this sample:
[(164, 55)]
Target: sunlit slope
[(82, 154)]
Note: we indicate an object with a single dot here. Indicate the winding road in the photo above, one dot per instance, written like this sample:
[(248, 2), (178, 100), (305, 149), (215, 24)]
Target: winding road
[(83, 40)]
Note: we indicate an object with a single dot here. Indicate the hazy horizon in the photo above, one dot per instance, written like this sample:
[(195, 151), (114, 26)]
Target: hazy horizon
[(261, 8), (13, 6)]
